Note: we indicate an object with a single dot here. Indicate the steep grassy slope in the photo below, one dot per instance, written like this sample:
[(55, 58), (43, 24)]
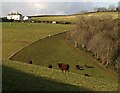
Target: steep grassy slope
[(18, 35), (19, 76), (57, 49)]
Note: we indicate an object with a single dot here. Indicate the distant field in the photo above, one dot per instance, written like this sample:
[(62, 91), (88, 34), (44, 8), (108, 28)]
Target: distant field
[(113, 14), (74, 18), (57, 18), (18, 35)]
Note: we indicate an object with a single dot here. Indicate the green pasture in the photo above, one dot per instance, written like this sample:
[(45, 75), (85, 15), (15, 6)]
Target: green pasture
[(112, 14), (18, 76), (18, 35), (57, 49), (57, 18), (74, 18)]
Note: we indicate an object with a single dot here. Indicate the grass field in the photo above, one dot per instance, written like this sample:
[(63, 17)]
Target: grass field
[(19, 76), (34, 78), (57, 49), (17, 35), (57, 18), (74, 18)]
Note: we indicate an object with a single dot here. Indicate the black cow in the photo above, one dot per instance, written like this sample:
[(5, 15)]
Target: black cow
[(63, 67), (49, 66), (77, 67), (30, 62), (86, 74)]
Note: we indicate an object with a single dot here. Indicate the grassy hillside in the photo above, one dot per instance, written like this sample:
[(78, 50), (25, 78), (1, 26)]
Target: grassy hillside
[(74, 18), (56, 18), (112, 14), (19, 76), (57, 49), (17, 35)]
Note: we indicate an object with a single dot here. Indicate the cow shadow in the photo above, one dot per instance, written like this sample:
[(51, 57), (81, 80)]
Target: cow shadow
[(15, 80), (90, 66), (78, 67)]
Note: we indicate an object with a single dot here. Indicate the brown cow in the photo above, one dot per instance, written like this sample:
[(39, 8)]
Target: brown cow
[(49, 66), (63, 67), (85, 66)]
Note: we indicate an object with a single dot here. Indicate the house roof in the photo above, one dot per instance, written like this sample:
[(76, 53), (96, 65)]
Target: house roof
[(16, 13)]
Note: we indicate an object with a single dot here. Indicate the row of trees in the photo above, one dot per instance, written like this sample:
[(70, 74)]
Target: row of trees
[(111, 8), (99, 37), (4, 19)]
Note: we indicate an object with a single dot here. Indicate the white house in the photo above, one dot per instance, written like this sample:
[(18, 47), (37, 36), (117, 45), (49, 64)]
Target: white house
[(14, 16), (26, 18)]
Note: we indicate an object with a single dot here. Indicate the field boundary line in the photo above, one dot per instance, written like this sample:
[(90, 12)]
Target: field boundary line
[(10, 58)]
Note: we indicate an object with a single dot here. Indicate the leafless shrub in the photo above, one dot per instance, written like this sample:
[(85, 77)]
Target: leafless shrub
[(99, 34)]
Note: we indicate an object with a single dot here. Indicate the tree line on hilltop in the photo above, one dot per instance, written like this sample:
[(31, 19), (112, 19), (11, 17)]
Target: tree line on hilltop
[(111, 8)]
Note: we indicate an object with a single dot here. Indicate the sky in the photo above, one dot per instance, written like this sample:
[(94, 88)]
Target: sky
[(51, 8)]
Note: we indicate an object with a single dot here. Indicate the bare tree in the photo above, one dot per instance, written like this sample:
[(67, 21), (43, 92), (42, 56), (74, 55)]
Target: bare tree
[(99, 35)]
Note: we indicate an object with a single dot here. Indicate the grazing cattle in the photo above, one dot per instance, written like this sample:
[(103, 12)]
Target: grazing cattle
[(86, 74), (77, 67), (49, 66), (63, 67), (30, 62), (85, 66)]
